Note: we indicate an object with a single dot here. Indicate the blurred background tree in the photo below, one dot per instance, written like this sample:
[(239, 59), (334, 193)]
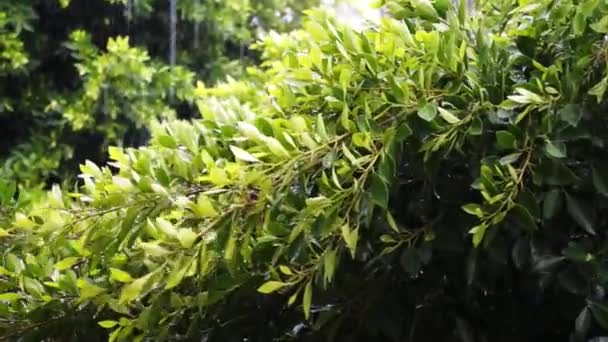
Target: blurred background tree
[(76, 76)]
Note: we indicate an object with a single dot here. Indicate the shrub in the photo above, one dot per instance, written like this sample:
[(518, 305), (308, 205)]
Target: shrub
[(437, 176)]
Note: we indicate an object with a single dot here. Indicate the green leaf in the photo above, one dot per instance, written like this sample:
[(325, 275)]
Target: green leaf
[(552, 203), (167, 141), (285, 270), (4, 233), (587, 7), (473, 209), (379, 191), (554, 172), (579, 23), (88, 291), (580, 211), (219, 177), (478, 233), (600, 178), (524, 218), (578, 253), (153, 249), (329, 265), (66, 263), (107, 324), (527, 199), (243, 155), (555, 149), (510, 158), (133, 290), (307, 299), (600, 315), (428, 112), (476, 127), (505, 140), (362, 139), (521, 253), (179, 272), (10, 297), (204, 208), (402, 132), (276, 147), (391, 222), (321, 130), (410, 261), (186, 237), (23, 221), (572, 114), (448, 116), (316, 30), (600, 26), (7, 191), (271, 286), (166, 227), (351, 238), (547, 263), (599, 89), (524, 96), (583, 322), (425, 8), (120, 275)]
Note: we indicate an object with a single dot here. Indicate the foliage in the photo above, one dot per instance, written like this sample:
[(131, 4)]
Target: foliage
[(120, 84), (437, 176), (13, 56), (76, 76)]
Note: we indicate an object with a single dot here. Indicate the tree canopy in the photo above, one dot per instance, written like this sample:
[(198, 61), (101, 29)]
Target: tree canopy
[(438, 175)]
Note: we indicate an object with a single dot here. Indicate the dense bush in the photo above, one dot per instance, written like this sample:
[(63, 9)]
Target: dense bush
[(436, 176)]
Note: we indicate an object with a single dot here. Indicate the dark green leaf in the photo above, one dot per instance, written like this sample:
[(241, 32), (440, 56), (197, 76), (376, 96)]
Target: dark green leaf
[(600, 178), (410, 261), (576, 252), (552, 203), (600, 315), (554, 172), (523, 217), (571, 113), (476, 127), (379, 191), (579, 23), (505, 140), (555, 149), (581, 212), (547, 263), (521, 253), (527, 199)]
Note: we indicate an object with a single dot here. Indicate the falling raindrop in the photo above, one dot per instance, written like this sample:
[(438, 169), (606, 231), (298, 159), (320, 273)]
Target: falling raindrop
[(172, 38), (197, 27)]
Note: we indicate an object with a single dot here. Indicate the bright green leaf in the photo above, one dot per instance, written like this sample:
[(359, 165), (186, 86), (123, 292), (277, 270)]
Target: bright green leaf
[(66, 263), (271, 286), (120, 275)]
